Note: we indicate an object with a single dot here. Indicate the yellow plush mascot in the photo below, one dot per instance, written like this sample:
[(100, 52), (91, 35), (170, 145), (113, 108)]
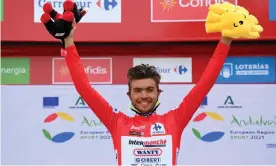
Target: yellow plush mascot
[(232, 21)]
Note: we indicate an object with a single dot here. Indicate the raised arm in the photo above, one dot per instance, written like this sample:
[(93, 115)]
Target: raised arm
[(192, 101), (94, 100)]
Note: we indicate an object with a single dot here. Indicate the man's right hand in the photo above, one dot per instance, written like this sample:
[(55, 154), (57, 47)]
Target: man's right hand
[(226, 40), (69, 41)]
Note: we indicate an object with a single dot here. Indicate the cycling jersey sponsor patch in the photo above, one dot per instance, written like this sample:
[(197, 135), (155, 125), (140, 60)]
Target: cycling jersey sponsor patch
[(157, 128), (115, 110), (136, 133), (146, 150), (148, 160), (150, 143), (137, 127)]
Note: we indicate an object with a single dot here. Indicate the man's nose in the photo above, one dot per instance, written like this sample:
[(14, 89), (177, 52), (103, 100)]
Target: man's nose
[(144, 94)]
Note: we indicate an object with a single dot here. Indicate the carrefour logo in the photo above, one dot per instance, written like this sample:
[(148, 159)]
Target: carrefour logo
[(179, 69), (59, 3), (210, 136), (60, 137), (107, 11)]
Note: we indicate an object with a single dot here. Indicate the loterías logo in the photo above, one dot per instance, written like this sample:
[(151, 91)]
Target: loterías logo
[(182, 10), (63, 136), (211, 136)]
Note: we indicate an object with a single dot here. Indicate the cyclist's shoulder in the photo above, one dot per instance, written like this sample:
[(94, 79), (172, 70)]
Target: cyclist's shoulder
[(121, 115), (168, 115)]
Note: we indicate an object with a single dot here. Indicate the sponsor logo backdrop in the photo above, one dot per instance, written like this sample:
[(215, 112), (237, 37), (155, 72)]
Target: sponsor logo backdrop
[(272, 10), (236, 124), (248, 70), (102, 11), (98, 70), (15, 70), (109, 70), (171, 69), (182, 10), (2, 10), (114, 20)]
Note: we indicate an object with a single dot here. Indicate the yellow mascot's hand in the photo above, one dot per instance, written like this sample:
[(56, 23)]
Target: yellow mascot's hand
[(217, 10), (255, 26), (232, 21), (217, 23), (220, 8)]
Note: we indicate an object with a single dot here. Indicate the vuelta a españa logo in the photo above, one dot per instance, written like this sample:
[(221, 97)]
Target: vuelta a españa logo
[(63, 136), (168, 4), (211, 136)]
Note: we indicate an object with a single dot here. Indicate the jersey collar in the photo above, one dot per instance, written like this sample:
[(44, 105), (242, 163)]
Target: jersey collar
[(148, 113)]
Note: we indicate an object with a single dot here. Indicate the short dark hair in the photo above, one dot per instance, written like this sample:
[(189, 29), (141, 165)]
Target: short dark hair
[(143, 71)]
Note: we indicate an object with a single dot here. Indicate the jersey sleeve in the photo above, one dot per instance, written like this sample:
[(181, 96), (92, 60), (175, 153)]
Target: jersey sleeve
[(189, 105), (102, 109)]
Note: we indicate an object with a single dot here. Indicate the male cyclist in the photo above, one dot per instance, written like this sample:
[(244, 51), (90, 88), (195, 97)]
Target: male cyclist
[(147, 137)]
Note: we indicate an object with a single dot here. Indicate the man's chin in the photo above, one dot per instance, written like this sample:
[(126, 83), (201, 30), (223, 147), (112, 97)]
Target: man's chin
[(144, 110), (141, 109)]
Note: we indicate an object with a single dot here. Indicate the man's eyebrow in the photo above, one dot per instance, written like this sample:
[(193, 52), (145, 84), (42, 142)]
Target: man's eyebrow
[(149, 87)]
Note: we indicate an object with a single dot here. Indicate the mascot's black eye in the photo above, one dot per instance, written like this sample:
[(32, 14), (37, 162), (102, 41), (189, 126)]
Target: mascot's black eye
[(235, 25), (241, 22), (244, 16)]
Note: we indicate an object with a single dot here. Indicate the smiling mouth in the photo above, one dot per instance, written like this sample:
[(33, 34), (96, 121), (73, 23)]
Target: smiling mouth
[(241, 22), (144, 103)]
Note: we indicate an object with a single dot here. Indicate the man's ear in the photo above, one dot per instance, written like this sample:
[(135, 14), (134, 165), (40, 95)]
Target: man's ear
[(159, 92), (128, 94)]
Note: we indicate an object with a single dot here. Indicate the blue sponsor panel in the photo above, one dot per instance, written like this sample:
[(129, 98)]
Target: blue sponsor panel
[(272, 10), (248, 70), (50, 102), (204, 102)]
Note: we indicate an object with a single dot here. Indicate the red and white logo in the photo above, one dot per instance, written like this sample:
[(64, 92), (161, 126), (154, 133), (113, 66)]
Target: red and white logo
[(98, 71), (182, 10), (147, 152)]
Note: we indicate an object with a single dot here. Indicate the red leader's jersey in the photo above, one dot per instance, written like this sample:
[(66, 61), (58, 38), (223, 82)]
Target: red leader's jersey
[(149, 140)]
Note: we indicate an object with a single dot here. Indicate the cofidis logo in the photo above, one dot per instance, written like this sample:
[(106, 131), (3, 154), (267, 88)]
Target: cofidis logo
[(182, 10), (63, 136), (210, 136)]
